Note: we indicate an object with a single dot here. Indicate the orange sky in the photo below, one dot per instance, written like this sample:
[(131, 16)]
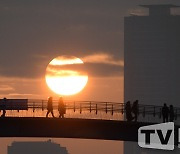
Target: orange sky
[(101, 89), (104, 87)]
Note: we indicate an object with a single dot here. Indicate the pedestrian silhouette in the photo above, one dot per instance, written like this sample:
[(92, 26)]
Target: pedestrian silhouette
[(165, 113), (50, 107), (135, 110), (128, 111), (61, 108), (171, 113), (4, 107)]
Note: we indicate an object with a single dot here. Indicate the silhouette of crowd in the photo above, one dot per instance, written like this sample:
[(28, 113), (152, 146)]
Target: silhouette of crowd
[(132, 112), (61, 107)]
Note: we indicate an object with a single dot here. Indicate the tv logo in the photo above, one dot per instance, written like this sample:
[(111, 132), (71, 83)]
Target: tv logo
[(158, 136)]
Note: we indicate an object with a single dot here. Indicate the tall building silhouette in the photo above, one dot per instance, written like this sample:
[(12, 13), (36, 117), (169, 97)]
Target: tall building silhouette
[(152, 56), (151, 61), (47, 147)]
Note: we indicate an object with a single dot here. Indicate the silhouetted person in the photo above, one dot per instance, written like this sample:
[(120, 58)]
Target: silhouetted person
[(165, 113), (171, 113), (135, 110), (4, 107), (128, 111), (50, 107), (61, 108)]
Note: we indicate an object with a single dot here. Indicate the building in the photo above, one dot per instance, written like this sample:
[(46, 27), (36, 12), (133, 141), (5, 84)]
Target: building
[(47, 147), (152, 61), (152, 53)]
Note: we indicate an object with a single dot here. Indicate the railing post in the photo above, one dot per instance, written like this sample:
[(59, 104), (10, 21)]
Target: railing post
[(154, 114), (90, 107), (144, 112), (42, 105), (122, 106), (175, 115), (160, 113), (80, 108), (112, 110), (106, 107), (33, 106), (96, 109), (74, 107)]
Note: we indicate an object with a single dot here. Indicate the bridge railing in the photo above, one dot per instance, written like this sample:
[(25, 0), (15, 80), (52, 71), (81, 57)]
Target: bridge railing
[(95, 107), (80, 106)]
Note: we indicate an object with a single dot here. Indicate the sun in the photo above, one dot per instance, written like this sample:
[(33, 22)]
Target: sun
[(65, 75)]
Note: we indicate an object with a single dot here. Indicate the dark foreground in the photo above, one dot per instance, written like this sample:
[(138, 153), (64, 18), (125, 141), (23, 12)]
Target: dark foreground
[(69, 128)]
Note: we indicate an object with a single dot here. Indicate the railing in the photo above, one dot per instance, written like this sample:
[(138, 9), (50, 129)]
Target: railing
[(95, 108)]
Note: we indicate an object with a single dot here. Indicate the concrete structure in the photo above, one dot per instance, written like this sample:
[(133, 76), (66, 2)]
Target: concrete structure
[(152, 61), (152, 56), (70, 128), (47, 147)]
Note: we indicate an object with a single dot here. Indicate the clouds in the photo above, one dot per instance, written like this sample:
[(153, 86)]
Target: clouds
[(102, 58), (60, 27), (103, 65), (96, 65), (5, 88), (12, 87), (34, 32)]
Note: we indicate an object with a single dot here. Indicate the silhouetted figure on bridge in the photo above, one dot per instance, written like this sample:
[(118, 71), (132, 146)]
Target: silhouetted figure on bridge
[(171, 113), (128, 111), (165, 113), (50, 107), (61, 108), (3, 107), (135, 110)]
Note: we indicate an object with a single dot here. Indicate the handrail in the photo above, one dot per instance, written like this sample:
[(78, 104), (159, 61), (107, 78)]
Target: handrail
[(96, 106)]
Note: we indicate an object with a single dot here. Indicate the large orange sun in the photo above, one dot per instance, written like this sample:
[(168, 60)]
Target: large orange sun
[(65, 75)]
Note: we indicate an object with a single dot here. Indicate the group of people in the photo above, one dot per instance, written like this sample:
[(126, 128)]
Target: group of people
[(61, 107), (132, 112), (168, 113)]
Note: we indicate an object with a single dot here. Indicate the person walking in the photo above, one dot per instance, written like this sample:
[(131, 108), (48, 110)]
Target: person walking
[(165, 113), (128, 111), (50, 107), (171, 113), (135, 110), (61, 108), (4, 107)]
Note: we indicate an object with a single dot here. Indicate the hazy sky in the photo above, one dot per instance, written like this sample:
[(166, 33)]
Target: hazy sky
[(33, 32)]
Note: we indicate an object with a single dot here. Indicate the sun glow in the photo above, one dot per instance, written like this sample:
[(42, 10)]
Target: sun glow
[(63, 78)]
